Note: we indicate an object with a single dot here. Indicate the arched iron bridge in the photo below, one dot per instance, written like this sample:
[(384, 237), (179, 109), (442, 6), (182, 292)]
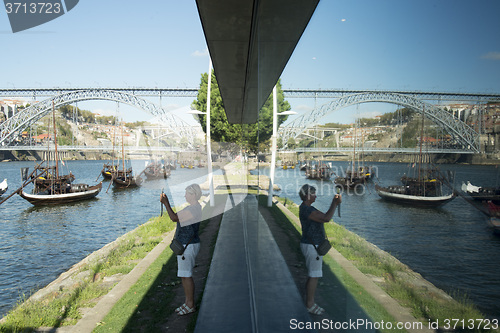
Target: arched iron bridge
[(11, 128), (463, 134)]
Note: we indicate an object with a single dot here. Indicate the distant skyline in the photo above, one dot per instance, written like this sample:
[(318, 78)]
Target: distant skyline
[(431, 45)]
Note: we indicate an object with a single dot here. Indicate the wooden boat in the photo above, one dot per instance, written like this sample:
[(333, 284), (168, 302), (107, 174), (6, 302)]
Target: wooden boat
[(62, 194), (321, 171), (3, 186), (288, 165), (428, 183), (494, 217), (107, 170), (125, 178), (481, 193), (405, 195), (50, 187), (354, 178), (156, 170), (357, 173), (424, 190), (48, 175)]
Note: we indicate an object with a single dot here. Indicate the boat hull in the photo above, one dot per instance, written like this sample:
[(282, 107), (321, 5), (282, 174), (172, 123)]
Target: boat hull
[(127, 183), (482, 193), (56, 199), (413, 200), (162, 175), (106, 175)]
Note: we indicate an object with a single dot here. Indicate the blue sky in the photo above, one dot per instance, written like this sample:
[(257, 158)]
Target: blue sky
[(436, 45)]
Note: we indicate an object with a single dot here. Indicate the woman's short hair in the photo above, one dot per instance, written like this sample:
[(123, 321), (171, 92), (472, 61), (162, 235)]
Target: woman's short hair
[(194, 189), (305, 190)]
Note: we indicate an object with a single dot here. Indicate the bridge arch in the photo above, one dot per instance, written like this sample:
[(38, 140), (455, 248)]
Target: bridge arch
[(460, 131), (28, 116)]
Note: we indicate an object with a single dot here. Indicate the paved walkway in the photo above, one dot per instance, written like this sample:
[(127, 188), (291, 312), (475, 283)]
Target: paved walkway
[(249, 287)]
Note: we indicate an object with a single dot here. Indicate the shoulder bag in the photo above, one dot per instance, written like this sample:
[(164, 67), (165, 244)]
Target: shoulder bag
[(176, 245), (323, 247)]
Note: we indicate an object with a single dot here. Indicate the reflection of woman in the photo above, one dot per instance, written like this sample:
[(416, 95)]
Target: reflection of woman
[(313, 233), (187, 233)]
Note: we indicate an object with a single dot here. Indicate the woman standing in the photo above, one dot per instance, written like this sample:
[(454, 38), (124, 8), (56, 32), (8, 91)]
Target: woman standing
[(188, 225), (313, 233)]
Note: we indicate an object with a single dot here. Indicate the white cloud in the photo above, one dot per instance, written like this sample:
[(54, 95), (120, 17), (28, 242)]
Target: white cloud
[(491, 56), (199, 53)]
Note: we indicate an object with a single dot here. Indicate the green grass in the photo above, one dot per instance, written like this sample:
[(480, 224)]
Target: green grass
[(62, 308), (127, 314), (146, 304)]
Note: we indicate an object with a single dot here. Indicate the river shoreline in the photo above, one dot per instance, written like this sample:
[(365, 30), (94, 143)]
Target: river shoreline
[(442, 158)]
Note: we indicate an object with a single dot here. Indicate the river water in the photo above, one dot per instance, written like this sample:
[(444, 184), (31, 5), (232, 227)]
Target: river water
[(450, 246)]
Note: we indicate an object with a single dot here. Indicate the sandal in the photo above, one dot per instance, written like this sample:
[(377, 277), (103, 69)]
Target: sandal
[(184, 310), (316, 310), (180, 308)]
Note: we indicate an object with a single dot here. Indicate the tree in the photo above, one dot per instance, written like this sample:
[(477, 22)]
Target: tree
[(242, 134)]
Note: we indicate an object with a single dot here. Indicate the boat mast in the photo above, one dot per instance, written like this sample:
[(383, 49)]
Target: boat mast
[(55, 139), (420, 155), (114, 139), (123, 153), (353, 165)]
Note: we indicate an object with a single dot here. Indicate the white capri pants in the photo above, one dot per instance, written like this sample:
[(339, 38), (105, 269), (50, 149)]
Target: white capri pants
[(185, 266), (314, 262)]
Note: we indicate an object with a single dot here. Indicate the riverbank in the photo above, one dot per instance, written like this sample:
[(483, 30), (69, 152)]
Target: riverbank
[(443, 158), (36, 155)]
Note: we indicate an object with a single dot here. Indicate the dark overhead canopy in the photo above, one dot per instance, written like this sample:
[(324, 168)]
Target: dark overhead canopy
[(250, 42)]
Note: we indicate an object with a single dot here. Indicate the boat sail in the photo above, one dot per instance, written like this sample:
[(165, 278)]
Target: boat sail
[(426, 189), (50, 187)]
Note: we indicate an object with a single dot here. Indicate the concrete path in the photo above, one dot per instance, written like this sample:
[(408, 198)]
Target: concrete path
[(249, 287)]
